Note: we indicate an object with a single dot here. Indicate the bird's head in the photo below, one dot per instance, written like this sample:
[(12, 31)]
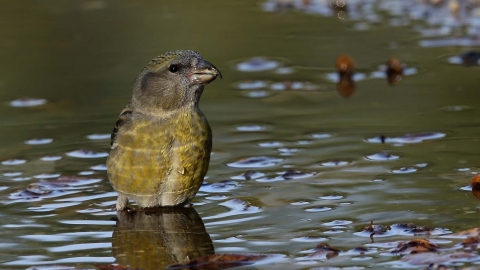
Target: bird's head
[(173, 80)]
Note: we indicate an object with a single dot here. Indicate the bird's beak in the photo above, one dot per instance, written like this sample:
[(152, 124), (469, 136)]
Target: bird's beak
[(204, 73)]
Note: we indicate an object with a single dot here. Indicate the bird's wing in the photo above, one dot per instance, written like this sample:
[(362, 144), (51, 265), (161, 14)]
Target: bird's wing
[(124, 117)]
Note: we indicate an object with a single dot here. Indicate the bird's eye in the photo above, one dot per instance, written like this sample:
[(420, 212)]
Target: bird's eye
[(173, 68)]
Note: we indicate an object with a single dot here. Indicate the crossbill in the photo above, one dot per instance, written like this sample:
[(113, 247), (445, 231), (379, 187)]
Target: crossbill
[(161, 143)]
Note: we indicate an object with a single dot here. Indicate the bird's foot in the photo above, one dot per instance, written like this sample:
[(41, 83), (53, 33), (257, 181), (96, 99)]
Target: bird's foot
[(187, 204)]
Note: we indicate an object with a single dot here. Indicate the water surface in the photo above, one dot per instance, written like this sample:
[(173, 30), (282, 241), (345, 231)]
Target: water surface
[(294, 163)]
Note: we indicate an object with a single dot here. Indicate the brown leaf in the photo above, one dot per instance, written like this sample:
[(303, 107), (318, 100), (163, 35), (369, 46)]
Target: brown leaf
[(434, 258), (114, 267), (417, 245), (468, 233), (476, 182), (324, 249), (394, 71), (471, 241), (345, 64), (410, 227), (219, 261)]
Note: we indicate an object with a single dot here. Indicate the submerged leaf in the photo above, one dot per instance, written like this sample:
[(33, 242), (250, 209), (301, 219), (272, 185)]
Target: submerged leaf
[(115, 267), (324, 249), (219, 261)]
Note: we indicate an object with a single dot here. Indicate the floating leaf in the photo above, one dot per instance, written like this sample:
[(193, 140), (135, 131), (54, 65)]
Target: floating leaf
[(324, 250), (376, 229), (415, 246), (394, 71)]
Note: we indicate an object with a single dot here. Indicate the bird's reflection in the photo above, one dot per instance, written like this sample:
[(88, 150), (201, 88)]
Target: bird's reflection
[(156, 238)]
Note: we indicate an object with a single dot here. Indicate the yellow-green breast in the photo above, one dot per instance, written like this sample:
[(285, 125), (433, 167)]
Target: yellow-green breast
[(160, 161)]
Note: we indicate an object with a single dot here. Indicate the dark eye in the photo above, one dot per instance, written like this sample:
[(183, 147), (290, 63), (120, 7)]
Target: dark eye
[(173, 68)]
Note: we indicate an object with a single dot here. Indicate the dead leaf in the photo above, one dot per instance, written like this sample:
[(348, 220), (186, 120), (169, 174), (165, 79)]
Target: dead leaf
[(412, 228), (474, 232), (376, 229), (435, 258), (475, 240), (394, 71), (345, 64), (114, 267), (219, 261), (324, 249), (417, 245)]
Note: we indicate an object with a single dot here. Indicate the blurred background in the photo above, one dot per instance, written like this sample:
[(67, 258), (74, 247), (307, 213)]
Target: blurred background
[(292, 151)]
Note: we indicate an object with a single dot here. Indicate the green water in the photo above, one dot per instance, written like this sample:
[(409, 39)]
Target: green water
[(82, 56)]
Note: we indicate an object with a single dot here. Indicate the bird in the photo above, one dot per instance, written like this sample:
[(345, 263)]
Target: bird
[(161, 143)]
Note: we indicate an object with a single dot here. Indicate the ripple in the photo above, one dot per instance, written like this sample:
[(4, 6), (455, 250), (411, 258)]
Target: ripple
[(337, 223), (258, 94), (450, 42), (300, 203), (295, 174), (27, 102), (257, 64), (230, 240), (251, 85), (287, 151), (378, 233), (21, 178), (335, 77), (222, 186), (217, 198), (308, 239), (12, 174), (250, 128), (318, 209), (382, 156), (408, 138), (322, 135), (11, 162), (255, 162), (456, 108), (284, 70), (248, 175), (470, 58), (333, 231), (99, 167), (38, 141), (86, 173), (271, 144), (75, 247), (403, 170), (46, 175), (332, 197), (293, 86), (99, 136), (237, 207), (381, 72), (51, 267), (50, 158), (36, 193), (82, 153), (335, 163)]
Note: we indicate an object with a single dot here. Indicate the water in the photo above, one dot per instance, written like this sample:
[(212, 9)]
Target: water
[(294, 163)]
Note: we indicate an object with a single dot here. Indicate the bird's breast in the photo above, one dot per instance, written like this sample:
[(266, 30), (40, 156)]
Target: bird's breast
[(161, 155)]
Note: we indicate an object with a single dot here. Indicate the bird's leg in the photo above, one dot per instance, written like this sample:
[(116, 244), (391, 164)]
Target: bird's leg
[(187, 204), (122, 202)]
